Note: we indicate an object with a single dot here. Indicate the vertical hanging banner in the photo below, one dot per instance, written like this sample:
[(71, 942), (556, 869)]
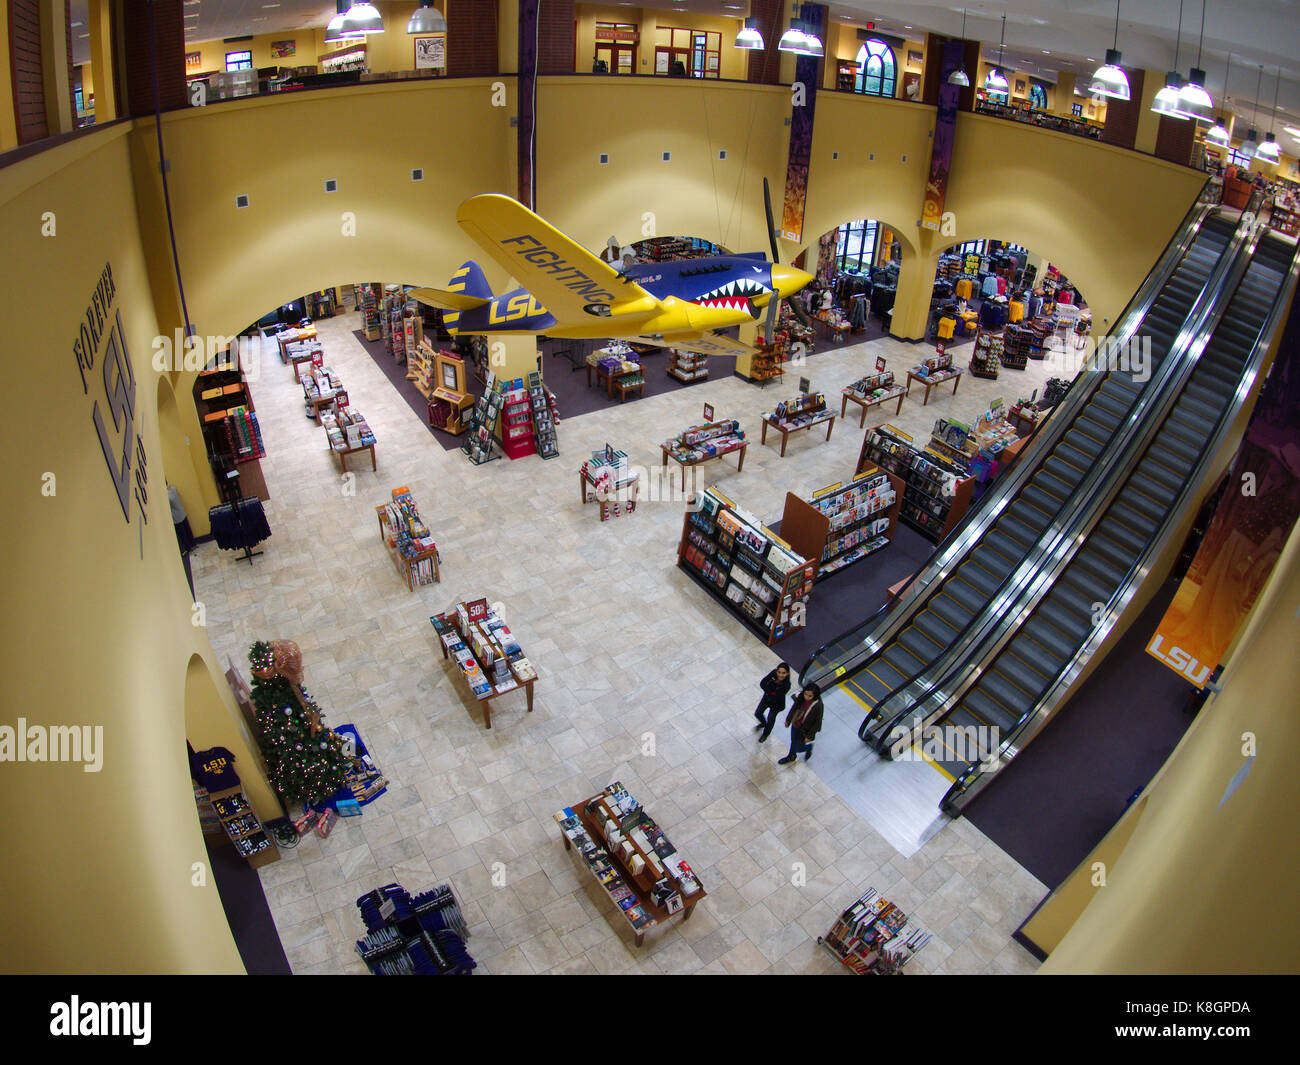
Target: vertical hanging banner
[(804, 100), (945, 129), (1250, 526), (526, 140)]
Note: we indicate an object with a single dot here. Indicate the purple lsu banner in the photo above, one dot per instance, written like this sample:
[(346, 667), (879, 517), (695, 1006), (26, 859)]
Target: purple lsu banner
[(804, 100)]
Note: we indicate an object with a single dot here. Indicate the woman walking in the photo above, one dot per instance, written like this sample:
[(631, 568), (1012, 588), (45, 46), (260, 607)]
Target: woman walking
[(776, 686), (804, 721)]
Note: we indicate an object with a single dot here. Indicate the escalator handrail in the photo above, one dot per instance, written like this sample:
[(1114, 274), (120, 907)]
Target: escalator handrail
[(975, 522), (969, 784), (1138, 428)]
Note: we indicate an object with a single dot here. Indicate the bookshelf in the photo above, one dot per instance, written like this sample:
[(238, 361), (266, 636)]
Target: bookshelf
[(986, 358), (629, 855), (872, 936), (232, 434), (756, 574), (765, 363), (481, 445), (546, 416), (517, 433), (1019, 345), (449, 397), (368, 304), (688, 366), (860, 517), (240, 824), (936, 489), (405, 534)]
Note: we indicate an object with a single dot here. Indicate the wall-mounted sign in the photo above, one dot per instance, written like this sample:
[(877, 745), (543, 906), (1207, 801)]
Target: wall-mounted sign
[(708, 412), (113, 410), (617, 34), (193, 60), (283, 49), (431, 52)]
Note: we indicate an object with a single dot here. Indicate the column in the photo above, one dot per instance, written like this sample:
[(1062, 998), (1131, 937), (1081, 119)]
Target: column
[(915, 287), (99, 21)]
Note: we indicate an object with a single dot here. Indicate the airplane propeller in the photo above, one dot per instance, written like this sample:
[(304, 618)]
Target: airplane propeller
[(773, 304)]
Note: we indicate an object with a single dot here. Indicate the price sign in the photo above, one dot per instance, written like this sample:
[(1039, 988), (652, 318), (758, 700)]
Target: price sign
[(941, 347), (708, 412), (805, 386), (880, 364), (477, 610)]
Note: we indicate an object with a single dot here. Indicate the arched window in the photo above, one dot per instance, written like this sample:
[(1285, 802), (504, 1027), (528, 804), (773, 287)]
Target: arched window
[(1037, 96), (876, 69)]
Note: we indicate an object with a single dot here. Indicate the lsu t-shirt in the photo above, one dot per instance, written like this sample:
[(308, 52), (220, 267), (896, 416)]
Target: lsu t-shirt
[(214, 769)]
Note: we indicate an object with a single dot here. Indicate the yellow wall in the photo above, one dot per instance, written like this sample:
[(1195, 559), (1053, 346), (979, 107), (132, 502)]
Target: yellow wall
[(98, 865)]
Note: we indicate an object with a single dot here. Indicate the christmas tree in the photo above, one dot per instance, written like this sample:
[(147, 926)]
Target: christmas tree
[(307, 761)]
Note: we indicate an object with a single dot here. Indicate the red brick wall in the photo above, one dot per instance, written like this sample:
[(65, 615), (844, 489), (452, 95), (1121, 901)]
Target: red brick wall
[(1174, 139), (1122, 115), (555, 37), (169, 31), (472, 38), (765, 66), (25, 68)]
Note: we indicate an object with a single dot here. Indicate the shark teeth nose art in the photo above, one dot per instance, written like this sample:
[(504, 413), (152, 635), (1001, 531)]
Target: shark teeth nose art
[(733, 296)]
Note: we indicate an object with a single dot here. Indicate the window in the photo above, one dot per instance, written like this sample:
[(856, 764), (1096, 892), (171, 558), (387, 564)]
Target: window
[(1037, 96), (876, 69), (855, 247), (1237, 159), (239, 60)]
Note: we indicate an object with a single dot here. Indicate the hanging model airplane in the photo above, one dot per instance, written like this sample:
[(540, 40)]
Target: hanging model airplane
[(568, 292)]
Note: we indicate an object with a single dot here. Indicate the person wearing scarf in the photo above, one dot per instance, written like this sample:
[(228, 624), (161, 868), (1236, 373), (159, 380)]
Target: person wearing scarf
[(804, 721), (776, 686)]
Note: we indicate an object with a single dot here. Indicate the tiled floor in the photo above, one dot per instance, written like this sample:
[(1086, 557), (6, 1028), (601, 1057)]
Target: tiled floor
[(643, 678)]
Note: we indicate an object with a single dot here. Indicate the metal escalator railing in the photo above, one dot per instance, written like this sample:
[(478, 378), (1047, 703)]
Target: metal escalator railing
[(1243, 337), (852, 650), (911, 705)]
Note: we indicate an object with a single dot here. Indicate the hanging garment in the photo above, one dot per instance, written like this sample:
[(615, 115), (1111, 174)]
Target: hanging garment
[(990, 287), (964, 288), (234, 530)]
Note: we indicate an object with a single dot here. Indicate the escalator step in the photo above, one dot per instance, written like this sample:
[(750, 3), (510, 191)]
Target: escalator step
[(1008, 551), (1061, 469), (1152, 509), (1040, 500), (1075, 456), (965, 595), (1145, 483), (919, 644), (1119, 554), (1069, 621), (1100, 569), (936, 628), (1049, 636), (995, 713), (952, 612), (1033, 676), (1001, 688), (1053, 485)]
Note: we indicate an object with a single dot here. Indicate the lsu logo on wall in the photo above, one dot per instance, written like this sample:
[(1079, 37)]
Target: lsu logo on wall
[(1179, 661)]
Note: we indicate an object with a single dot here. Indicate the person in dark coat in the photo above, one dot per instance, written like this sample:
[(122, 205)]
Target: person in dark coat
[(804, 721), (776, 686)]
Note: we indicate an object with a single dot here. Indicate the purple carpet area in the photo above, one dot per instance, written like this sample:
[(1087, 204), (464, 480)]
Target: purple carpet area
[(247, 913), (396, 373), (1053, 804), (566, 376)]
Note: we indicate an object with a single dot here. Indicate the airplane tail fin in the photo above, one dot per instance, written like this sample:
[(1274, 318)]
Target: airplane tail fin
[(467, 289)]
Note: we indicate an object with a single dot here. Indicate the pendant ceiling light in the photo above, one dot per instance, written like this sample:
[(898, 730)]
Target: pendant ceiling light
[(1218, 134), (1269, 151), (1251, 144), (1166, 101), (749, 38), (995, 81), (959, 76), (334, 28), (798, 40), (1110, 79), (427, 19), (1193, 101), (363, 18)]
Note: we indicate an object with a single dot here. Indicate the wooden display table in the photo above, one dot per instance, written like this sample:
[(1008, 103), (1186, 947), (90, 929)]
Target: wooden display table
[(619, 383), (866, 404), (298, 358), (1025, 419), (612, 868), (458, 636), (929, 381), (603, 472), (786, 429), (416, 567), (684, 463), (344, 452)]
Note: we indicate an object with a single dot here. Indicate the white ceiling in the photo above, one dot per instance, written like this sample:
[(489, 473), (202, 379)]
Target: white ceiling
[(1043, 36)]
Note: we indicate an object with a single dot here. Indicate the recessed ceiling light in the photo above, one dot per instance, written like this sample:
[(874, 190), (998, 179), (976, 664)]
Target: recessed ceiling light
[(75, 25), (1292, 130), (83, 36), (1046, 52)]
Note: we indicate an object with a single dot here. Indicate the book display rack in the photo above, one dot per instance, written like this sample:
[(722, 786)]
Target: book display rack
[(489, 658), (688, 366), (793, 415), (368, 303), (872, 936), (1020, 343), (242, 827), (765, 363), (393, 321), (404, 532), (936, 489), (873, 390), (606, 479), (630, 857), (546, 416), (862, 517), (420, 936), (618, 366), (986, 358), (322, 387), (752, 571), (703, 443), (517, 434), (226, 412), (480, 447)]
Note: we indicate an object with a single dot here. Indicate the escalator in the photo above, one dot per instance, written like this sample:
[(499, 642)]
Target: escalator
[(891, 659), (1013, 685)]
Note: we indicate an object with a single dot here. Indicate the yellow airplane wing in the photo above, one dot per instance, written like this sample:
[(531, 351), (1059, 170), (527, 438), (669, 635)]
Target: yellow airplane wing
[(447, 301), (704, 344), (570, 282)]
